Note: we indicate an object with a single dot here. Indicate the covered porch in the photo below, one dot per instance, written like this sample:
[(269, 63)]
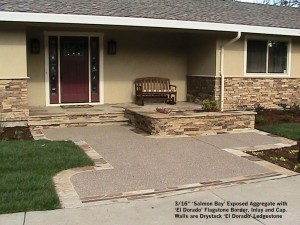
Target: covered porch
[(98, 65)]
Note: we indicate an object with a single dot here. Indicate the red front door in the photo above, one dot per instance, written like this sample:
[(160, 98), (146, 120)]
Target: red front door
[(74, 69)]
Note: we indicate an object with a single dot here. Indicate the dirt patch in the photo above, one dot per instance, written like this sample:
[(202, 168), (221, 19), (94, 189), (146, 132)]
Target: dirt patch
[(16, 133), (284, 157), (277, 116)]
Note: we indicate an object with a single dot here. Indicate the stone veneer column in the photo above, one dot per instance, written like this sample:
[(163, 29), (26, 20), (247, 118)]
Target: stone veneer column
[(269, 92), (200, 88), (14, 100)]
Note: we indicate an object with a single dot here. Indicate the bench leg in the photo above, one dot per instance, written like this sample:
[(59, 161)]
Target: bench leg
[(139, 100)]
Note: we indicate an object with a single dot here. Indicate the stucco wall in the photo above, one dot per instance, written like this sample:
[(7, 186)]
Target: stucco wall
[(139, 54), (12, 52), (36, 71), (295, 61), (143, 54), (234, 58), (202, 55)]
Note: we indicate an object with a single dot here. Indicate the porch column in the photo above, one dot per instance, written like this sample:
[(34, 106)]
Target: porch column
[(13, 76)]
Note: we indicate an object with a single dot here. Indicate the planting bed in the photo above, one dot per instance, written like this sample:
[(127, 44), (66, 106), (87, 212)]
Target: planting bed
[(284, 157), (15, 133)]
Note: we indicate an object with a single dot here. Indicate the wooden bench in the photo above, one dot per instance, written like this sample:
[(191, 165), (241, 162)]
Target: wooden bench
[(154, 88)]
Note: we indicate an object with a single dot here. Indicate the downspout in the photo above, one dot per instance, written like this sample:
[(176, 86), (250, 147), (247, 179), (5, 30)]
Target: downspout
[(222, 66)]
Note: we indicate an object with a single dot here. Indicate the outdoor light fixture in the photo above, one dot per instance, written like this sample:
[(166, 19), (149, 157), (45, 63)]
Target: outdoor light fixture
[(35, 46), (111, 47)]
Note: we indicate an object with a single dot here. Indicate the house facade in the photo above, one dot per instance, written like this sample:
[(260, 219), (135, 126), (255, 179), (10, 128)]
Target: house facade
[(67, 52)]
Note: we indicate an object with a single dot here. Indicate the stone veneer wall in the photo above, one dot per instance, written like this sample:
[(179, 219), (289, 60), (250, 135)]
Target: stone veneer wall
[(200, 88), (269, 92), (193, 124), (14, 100)]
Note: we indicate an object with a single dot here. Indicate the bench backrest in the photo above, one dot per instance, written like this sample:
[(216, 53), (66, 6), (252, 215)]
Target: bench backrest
[(153, 83)]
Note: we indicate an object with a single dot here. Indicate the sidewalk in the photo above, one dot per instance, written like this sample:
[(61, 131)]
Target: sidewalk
[(161, 211)]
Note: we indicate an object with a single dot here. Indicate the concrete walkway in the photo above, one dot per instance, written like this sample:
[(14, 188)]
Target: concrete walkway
[(161, 211), (143, 163), (146, 164)]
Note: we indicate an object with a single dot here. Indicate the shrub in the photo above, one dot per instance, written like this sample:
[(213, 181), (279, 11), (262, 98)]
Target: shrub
[(295, 108), (210, 105), (163, 110), (258, 107), (283, 105), (259, 119), (287, 118), (2, 123)]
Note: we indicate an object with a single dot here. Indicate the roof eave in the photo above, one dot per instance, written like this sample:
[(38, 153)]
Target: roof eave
[(142, 22)]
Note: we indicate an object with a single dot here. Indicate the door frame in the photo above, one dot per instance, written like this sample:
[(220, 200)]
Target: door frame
[(101, 64)]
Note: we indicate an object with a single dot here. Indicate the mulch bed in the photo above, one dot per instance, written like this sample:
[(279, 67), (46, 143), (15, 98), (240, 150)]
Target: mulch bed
[(284, 157), (278, 116), (16, 133)]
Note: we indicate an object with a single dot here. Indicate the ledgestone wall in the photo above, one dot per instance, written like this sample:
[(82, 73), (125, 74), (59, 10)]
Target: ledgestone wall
[(269, 92), (200, 88), (13, 100)]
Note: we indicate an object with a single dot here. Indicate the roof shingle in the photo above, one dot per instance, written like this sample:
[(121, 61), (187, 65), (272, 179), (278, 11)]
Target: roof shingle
[(216, 11)]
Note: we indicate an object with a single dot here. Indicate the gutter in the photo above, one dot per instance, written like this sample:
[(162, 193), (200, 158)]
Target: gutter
[(27, 17), (222, 66)]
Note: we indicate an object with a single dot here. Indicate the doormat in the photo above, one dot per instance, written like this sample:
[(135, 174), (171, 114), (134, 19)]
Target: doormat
[(76, 106)]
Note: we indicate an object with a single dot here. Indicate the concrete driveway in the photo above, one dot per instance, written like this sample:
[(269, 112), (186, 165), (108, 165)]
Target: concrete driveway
[(142, 163)]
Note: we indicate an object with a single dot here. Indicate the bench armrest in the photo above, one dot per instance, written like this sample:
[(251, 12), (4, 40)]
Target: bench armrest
[(174, 86)]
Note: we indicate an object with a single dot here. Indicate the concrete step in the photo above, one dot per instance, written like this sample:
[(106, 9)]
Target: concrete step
[(71, 120)]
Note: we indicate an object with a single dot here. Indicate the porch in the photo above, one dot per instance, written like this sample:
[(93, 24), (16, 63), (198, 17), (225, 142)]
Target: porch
[(89, 115), (184, 118)]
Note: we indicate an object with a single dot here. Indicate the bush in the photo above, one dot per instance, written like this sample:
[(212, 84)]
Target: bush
[(287, 118), (258, 107), (295, 108), (259, 119), (210, 105), (163, 110)]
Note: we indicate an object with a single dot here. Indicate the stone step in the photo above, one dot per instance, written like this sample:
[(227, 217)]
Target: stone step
[(71, 120)]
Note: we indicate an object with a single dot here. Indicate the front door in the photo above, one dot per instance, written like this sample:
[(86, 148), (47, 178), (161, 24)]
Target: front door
[(74, 69)]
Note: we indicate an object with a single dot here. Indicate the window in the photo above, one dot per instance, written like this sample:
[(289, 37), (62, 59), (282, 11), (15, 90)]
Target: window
[(267, 57)]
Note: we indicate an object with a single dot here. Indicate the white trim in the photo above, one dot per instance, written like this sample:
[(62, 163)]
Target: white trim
[(101, 72), (142, 22), (47, 90), (268, 75)]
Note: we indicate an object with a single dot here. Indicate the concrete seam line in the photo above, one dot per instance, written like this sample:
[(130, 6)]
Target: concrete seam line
[(212, 191), (24, 219)]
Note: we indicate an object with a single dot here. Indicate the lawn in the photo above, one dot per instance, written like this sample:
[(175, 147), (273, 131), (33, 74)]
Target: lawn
[(288, 130), (26, 171)]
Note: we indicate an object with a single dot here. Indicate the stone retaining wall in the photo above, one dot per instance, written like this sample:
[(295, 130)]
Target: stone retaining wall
[(269, 92), (14, 100), (200, 88), (191, 123)]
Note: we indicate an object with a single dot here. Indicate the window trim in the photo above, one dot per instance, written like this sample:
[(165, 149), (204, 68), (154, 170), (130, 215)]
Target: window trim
[(267, 74)]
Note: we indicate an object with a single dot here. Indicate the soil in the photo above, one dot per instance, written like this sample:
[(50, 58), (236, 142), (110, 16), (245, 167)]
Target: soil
[(284, 157), (15, 133), (278, 116)]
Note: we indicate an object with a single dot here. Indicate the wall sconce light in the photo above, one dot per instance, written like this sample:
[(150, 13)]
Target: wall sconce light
[(111, 47), (35, 46)]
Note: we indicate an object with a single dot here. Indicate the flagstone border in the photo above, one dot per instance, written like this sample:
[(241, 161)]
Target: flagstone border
[(70, 199)]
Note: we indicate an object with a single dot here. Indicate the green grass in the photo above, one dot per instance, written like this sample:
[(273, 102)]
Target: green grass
[(26, 171), (288, 130)]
